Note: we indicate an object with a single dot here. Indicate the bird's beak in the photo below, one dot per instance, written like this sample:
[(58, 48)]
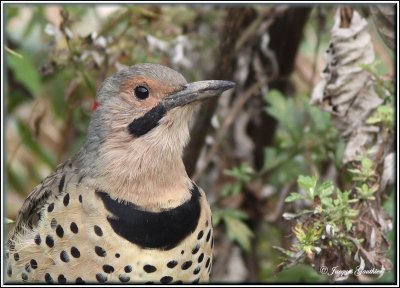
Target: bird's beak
[(196, 91)]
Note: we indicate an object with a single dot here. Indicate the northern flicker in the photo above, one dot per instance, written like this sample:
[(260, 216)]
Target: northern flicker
[(123, 209)]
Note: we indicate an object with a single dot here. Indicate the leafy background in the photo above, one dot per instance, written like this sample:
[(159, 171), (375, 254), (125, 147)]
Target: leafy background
[(261, 140)]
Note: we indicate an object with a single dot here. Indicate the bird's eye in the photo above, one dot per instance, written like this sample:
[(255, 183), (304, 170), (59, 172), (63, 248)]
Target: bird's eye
[(141, 92)]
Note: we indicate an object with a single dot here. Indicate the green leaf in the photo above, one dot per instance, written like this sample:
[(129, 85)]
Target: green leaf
[(277, 105), (11, 12), (241, 173), (325, 189), (308, 184), (235, 213), (216, 217), (339, 153), (320, 119), (219, 214), (239, 232), (25, 72), (231, 189), (348, 223), (366, 165), (384, 114), (236, 189), (327, 202), (8, 221), (272, 158), (294, 196)]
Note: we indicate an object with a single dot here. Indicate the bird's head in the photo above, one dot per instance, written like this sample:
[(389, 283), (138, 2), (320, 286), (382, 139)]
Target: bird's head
[(140, 125)]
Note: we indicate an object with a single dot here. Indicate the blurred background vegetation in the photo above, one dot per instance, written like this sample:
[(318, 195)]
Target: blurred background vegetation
[(248, 149)]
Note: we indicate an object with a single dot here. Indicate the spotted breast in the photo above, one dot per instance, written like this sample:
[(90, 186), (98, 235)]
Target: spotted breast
[(82, 235)]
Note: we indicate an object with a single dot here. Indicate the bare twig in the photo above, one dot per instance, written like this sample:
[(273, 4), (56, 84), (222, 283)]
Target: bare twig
[(256, 27), (236, 108), (12, 52), (272, 217)]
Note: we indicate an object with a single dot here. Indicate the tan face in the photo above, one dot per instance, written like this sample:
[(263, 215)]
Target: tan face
[(135, 101), (133, 92), (143, 98)]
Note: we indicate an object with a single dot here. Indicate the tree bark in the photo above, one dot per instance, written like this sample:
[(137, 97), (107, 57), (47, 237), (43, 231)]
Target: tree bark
[(286, 33), (237, 19)]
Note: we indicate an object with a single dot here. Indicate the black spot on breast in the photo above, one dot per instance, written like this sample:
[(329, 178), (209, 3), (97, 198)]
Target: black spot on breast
[(207, 223), (166, 280), (16, 256), (79, 280), (34, 264), (124, 278), (80, 198), (147, 122), (183, 252), (74, 228), (62, 279), (208, 236), (186, 265), (200, 235), (48, 278), (100, 251), (53, 223), (61, 184), (101, 278), (64, 256), (196, 249), (24, 276), (128, 269), (28, 267), (117, 255), (66, 200), (172, 264), (149, 268), (201, 257), (98, 230), (60, 231), (196, 281), (50, 208), (208, 262), (178, 282), (162, 230), (38, 240), (49, 241), (9, 270), (196, 271), (75, 252), (108, 269)]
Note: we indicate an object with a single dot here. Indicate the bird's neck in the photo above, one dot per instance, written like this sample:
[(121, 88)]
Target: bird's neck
[(150, 175)]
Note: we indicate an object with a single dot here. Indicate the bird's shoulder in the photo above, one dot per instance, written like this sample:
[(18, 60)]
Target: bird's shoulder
[(51, 187)]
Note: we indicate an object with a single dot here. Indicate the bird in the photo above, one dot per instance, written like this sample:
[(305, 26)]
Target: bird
[(123, 209)]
